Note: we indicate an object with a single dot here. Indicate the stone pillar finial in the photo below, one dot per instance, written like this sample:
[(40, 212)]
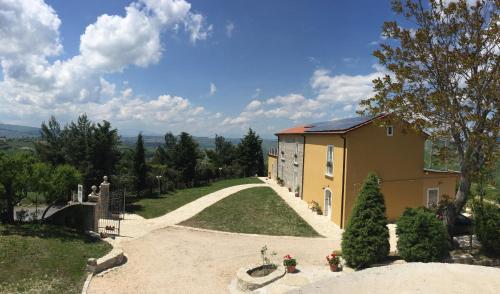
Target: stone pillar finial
[(93, 196), (105, 180)]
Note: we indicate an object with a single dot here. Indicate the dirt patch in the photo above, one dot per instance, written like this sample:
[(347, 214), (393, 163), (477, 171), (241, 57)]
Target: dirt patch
[(262, 271)]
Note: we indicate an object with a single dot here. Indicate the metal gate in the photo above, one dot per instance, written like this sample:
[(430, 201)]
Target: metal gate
[(110, 219)]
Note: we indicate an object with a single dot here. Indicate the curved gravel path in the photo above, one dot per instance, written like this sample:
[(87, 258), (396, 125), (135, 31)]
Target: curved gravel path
[(135, 226)]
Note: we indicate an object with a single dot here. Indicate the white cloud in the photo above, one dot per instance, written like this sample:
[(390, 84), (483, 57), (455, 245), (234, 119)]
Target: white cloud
[(213, 89), (195, 24), (254, 104), (35, 87), (229, 29), (337, 96), (36, 29), (343, 88)]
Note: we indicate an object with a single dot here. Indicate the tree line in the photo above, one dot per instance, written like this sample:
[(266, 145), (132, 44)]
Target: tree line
[(82, 152)]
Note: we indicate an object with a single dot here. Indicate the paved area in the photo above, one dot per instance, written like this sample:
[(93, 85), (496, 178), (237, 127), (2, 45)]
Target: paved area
[(412, 278), (182, 260)]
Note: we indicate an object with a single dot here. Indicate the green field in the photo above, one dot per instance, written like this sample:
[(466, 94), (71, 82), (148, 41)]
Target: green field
[(156, 206), (45, 259), (253, 211)]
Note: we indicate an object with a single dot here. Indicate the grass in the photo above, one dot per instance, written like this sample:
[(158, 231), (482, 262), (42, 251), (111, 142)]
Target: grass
[(254, 211), (156, 206), (45, 259)]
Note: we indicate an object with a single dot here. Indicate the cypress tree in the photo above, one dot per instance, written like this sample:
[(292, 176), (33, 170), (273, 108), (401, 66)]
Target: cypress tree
[(366, 238), (140, 167)]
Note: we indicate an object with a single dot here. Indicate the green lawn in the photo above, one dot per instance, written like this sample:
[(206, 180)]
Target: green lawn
[(45, 259), (157, 206), (254, 211)]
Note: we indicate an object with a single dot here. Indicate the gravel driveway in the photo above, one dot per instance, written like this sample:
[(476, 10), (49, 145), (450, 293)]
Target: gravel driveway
[(183, 260)]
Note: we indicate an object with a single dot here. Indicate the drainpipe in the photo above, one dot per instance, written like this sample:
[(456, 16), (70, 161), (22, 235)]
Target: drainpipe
[(303, 166), (278, 159), (343, 182)]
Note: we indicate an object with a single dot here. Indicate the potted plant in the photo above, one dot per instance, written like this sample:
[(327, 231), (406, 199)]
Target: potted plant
[(333, 261), (297, 191), (290, 263), (315, 207), (289, 189)]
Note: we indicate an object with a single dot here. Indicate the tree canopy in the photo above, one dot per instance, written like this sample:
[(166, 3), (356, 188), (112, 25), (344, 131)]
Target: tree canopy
[(443, 78)]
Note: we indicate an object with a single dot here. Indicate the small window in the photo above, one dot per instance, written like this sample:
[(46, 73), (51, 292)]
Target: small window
[(432, 197), (282, 155), (329, 160), (390, 130), (296, 147)]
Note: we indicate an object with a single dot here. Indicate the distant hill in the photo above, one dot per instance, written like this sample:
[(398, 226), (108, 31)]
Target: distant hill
[(17, 132)]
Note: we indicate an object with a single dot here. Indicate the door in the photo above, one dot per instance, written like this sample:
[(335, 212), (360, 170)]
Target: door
[(328, 203)]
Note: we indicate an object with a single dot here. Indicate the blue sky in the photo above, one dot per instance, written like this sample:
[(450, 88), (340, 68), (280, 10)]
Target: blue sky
[(213, 66)]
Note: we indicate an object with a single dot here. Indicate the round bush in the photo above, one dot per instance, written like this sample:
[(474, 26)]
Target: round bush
[(366, 237), (487, 226), (421, 236)]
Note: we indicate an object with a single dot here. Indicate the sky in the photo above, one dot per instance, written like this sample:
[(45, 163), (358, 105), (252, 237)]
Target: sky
[(204, 67)]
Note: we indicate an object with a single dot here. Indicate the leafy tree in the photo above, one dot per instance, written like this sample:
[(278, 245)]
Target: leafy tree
[(251, 156), (165, 154), (15, 171), (421, 236), (40, 180), (63, 179), (90, 148), (104, 151), (50, 145), (365, 240), (223, 156), (443, 78), (140, 167), (186, 157)]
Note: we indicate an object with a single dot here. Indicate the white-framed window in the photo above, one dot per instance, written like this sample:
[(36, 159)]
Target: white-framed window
[(432, 197), (329, 160), (390, 131)]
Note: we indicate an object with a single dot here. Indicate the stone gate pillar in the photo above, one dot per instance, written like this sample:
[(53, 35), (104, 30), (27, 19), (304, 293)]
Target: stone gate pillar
[(104, 197)]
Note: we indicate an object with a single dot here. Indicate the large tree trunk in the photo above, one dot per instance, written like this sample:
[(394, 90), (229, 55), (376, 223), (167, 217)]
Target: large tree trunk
[(461, 197), (10, 210)]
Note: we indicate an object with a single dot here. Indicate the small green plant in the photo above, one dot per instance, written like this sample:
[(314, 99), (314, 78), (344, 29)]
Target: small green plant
[(267, 264), (314, 206), (297, 189), (288, 260), (422, 236)]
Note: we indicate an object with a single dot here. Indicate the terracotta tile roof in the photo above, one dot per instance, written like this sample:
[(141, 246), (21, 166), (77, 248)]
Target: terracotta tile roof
[(295, 130)]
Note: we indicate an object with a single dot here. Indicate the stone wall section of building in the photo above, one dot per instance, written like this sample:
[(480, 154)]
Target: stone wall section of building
[(290, 160)]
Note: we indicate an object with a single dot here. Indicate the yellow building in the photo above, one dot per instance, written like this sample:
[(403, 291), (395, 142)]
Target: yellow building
[(339, 154)]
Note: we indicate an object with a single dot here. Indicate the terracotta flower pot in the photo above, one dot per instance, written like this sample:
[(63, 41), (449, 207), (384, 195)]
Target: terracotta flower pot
[(334, 267), (290, 269)]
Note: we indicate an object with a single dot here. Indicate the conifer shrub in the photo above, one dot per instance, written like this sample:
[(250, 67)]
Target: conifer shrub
[(422, 237), (487, 226), (365, 240)]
